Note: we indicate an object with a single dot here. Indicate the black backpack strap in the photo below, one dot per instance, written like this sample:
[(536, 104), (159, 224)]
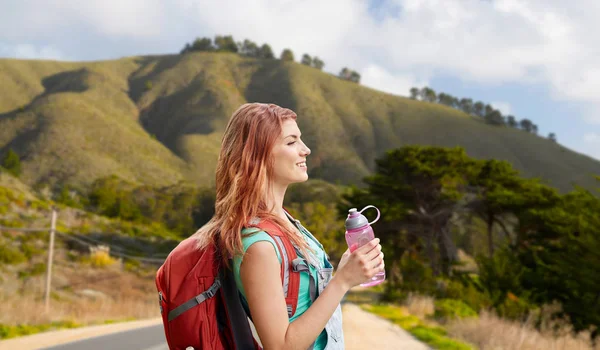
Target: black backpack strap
[(242, 334)]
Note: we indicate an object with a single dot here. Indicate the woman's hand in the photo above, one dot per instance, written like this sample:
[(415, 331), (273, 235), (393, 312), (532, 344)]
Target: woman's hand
[(361, 265)]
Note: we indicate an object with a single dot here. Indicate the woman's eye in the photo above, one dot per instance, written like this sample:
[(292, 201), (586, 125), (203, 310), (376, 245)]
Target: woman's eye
[(291, 143)]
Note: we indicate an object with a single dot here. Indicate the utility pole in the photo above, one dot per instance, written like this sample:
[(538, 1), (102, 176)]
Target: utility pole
[(50, 255)]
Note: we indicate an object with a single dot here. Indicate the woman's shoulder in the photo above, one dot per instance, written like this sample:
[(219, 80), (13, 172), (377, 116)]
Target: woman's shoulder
[(251, 235)]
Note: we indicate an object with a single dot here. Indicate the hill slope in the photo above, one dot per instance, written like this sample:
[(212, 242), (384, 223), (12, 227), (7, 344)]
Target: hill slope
[(159, 120)]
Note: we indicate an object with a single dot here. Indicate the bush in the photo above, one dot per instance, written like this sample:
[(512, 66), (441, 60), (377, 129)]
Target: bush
[(11, 255), (476, 299), (101, 259), (12, 163), (447, 309), (515, 307), (12, 331)]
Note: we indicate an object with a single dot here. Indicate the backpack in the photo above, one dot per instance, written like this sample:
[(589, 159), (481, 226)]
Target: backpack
[(199, 301)]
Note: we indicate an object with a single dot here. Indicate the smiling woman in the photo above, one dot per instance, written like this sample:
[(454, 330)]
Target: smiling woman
[(289, 155), (262, 153)]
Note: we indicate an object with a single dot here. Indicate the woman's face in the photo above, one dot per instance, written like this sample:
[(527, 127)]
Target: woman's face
[(289, 155)]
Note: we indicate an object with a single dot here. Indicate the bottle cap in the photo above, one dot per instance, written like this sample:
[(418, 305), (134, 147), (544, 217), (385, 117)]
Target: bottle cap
[(355, 220)]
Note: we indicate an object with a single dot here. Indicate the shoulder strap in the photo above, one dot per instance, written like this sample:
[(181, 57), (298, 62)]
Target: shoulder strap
[(290, 277)]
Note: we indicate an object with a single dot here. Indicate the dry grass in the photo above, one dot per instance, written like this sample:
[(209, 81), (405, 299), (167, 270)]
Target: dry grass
[(420, 305), (490, 332), (82, 294), (27, 310)]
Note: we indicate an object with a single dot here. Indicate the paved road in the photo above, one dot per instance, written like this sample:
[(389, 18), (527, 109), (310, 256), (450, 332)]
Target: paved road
[(362, 330), (148, 338)]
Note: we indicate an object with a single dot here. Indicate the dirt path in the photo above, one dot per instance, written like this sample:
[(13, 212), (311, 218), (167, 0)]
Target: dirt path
[(363, 330)]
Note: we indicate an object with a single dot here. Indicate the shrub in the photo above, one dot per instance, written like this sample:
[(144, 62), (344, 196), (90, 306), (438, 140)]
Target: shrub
[(468, 293), (447, 309), (12, 163), (101, 259), (11, 255)]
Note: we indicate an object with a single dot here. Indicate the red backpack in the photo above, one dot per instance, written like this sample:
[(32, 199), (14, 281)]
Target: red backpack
[(199, 301)]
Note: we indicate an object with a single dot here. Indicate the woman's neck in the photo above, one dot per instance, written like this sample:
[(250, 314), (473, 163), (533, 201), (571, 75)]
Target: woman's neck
[(275, 201)]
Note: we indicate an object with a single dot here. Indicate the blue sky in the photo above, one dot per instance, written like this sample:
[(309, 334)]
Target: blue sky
[(536, 59)]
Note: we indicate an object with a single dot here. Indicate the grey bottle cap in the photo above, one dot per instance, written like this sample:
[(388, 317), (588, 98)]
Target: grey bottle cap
[(355, 219)]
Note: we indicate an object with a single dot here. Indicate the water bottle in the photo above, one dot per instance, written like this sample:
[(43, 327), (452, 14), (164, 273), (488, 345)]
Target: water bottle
[(359, 232)]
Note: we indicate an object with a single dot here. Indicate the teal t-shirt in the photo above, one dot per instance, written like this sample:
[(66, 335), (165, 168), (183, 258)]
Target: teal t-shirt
[(304, 302)]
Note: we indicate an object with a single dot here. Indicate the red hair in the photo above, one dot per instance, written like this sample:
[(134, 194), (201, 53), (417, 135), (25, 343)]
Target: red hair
[(243, 171)]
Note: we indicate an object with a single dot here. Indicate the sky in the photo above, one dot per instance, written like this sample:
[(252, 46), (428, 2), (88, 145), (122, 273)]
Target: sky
[(534, 59)]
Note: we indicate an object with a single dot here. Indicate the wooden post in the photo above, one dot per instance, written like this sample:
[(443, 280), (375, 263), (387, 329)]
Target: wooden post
[(50, 256)]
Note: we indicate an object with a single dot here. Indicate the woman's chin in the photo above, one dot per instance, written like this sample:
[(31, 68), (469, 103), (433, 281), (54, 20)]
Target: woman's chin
[(302, 178)]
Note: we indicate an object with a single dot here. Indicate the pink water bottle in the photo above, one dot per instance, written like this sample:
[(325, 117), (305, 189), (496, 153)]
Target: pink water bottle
[(359, 232)]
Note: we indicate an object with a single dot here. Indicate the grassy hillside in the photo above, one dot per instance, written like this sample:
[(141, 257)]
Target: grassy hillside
[(159, 119)]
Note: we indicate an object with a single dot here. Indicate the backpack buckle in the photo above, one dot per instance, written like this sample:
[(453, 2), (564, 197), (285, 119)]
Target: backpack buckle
[(210, 293), (213, 289)]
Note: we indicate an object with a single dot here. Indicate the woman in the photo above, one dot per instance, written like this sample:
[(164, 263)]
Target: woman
[(262, 154)]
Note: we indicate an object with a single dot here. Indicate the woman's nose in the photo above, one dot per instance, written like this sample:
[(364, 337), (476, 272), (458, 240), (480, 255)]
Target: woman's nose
[(306, 150)]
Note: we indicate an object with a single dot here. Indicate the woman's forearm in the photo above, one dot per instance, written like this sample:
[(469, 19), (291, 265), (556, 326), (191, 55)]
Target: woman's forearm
[(305, 329)]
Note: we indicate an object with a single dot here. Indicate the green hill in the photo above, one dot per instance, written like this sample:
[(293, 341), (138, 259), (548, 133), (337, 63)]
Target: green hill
[(159, 119)]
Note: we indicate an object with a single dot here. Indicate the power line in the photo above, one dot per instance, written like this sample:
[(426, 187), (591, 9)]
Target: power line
[(22, 229), (112, 252)]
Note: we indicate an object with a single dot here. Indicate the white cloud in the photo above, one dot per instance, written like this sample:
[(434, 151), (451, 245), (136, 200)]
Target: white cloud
[(28, 51), (592, 138), (44, 19), (398, 84), (503, 107), (550, 42)]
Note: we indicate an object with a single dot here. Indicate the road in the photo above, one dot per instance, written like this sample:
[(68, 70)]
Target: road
[(362, 330), (147, 338)]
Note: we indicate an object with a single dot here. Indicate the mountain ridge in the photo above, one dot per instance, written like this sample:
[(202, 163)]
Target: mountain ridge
[(158, 120)]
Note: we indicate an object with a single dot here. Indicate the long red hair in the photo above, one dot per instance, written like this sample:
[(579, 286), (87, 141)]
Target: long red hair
[(243, 171)]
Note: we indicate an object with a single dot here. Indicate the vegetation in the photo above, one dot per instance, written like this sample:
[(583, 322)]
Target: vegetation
[(247, 48), (541, 245), (480, 109), (12, 163), (12, 331), (346, 125), (500, 196), (435, 336)]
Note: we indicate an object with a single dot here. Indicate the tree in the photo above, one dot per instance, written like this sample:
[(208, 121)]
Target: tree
[(265, 52), (494, 184), (428, 94), (306, 60), (561, 256), (534, 129), (494, 118), (287, 55), (455, 102), (317, 63), (12, 163), (446, 99), (526, 125), (466, 105), (488, 109), (345, 73), (511, 121), (479, 108), (552, 137), (248, 48), (355, 77), (417, 189), (348, 74), (199, 44), (225, 44), (415, 93)]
